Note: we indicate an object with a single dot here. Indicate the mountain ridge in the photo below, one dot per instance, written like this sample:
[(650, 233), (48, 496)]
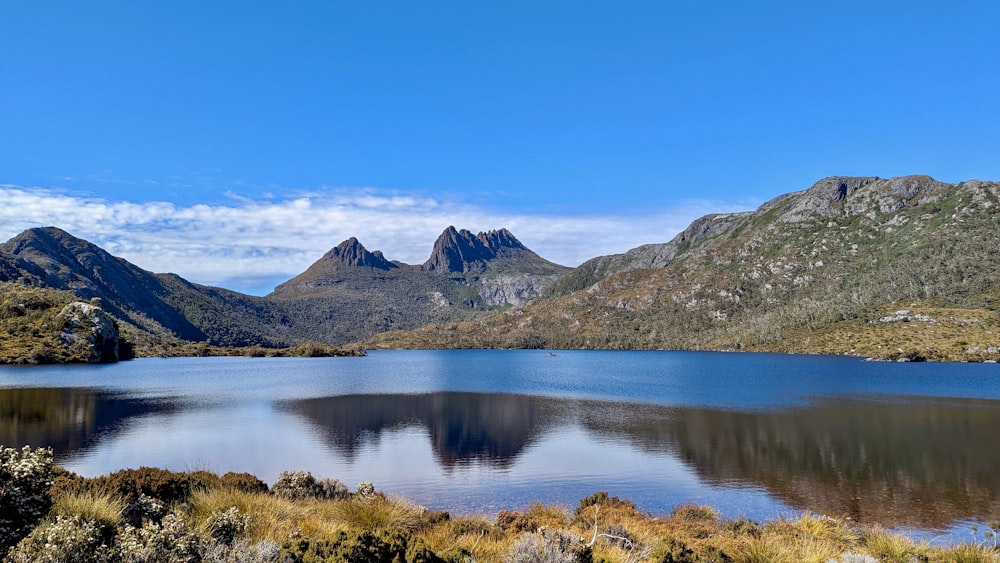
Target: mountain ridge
[(809, 271), (351, 293), (348, 294), (897, 268)]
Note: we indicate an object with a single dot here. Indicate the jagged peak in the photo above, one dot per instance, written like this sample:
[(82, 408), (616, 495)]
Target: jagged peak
[(499, 239), (461, 251), (352, 253)]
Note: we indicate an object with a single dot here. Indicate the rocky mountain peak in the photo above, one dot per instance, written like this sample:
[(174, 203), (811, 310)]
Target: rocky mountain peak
[(500, 239), (461, 251), (353, 254), (845, 195)]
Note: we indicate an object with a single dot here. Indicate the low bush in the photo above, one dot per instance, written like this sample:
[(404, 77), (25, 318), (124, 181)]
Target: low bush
[(225, 526), (295, 485), (166, 486), (65, 540), (243, 482), (549, 546), (360, 547), (170, 540), (25, 479), (601, 498), (142, 509)]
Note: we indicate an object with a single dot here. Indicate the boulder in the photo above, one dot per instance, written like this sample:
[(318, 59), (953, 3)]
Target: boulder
[(87, 324)]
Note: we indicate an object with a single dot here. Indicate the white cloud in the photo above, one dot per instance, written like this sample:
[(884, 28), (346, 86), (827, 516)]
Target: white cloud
[(252, 245)]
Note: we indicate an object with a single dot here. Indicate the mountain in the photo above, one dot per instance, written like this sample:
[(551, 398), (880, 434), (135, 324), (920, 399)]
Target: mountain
[(462, 252), (153, 306), (351, 293), (347, 295), (900, 268)]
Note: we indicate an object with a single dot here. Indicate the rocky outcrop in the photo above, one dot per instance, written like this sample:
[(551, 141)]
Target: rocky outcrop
[(87, 325)]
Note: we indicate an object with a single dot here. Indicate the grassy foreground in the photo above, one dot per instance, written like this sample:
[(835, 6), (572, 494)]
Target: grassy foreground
[(147, 514)]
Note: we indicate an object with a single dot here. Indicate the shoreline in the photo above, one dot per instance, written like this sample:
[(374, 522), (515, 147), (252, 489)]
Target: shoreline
[(300, 516)]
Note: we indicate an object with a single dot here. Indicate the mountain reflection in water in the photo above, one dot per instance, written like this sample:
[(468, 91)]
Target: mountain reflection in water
[(922, 463), (463, 427), (67, 420)]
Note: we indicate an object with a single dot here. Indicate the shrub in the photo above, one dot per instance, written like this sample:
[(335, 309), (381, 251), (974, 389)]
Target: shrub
[(366, 489), (243, 482), (241, 551), (695, 513), (143, 509), (170, 540), (674, 551), (549, 546), (295, 485), (601, 498), (516, 522), (66, 540), (360, 547), (327, 488), (25, 479), (225, 526), (161, 484)]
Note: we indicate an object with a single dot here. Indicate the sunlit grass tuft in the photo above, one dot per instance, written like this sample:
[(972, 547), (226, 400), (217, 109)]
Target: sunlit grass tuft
[(969, 553), (886, 546), (271, 518), (104, 510), (376, 514)]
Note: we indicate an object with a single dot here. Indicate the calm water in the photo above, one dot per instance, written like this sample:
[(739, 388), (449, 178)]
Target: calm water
[(906, 445)]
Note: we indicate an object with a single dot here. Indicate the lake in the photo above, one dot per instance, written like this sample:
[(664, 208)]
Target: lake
[(910, 446)]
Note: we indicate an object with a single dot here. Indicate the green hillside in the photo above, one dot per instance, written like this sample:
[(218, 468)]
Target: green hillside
[(823, 270)]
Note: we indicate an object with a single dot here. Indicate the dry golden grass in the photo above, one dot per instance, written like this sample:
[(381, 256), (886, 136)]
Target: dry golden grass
[(271, 517), (103, 510), (889, 547), (813, 527), (624, 535), (966, 553), (376, 514)]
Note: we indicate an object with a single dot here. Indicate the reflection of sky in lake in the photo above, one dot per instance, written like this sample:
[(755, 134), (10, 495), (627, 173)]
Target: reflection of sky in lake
[(472, 431)]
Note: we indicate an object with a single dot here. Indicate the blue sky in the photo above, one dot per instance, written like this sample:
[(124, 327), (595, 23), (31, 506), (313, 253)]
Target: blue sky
[(235, 142)]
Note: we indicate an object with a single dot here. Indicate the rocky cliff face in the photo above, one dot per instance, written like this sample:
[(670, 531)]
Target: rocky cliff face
[(513, 289)]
